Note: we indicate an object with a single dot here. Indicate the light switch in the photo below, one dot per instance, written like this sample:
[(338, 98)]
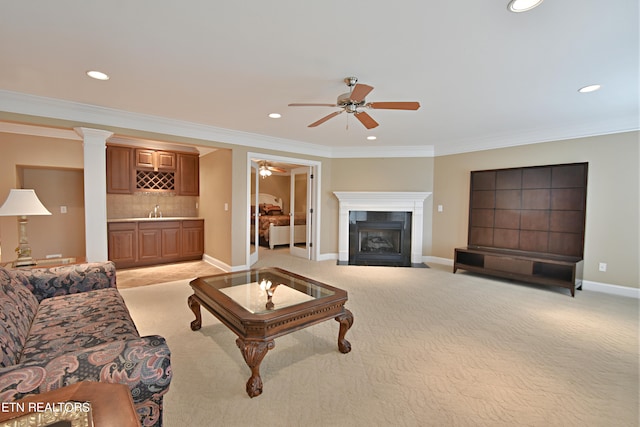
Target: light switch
[(63, 209), (440, 208)]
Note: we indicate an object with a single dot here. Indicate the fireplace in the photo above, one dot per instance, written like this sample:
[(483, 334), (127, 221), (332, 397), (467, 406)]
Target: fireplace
[(380, 238), (389, 226)]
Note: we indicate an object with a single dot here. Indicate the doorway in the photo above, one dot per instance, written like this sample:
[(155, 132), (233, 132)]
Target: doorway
[(282, 205)]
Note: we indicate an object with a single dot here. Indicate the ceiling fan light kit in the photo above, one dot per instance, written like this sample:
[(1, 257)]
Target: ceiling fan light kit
[(265, 170), (353, 101), (518, 6)]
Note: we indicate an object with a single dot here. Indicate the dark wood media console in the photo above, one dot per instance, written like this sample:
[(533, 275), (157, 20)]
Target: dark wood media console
[(548, 270), (527, 224)]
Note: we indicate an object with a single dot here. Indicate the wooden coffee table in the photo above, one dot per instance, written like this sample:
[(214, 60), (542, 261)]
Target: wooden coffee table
[(259, 313)]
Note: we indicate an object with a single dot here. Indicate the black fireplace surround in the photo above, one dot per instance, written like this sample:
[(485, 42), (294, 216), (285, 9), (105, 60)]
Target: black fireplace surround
[(380, 238)]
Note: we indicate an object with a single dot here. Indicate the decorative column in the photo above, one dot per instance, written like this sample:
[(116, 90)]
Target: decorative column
[(95, 192)]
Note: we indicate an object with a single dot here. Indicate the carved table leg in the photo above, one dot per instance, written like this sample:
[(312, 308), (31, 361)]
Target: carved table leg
[(194, 305), (345, 320), (253, 353)]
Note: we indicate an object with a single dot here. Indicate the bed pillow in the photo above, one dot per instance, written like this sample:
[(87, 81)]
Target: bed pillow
[(269, 209)]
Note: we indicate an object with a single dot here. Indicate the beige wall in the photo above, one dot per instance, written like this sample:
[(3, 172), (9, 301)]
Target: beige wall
[(386, 174), (279, 186), (61, 233), (612, 234), (612, 224), (37, 152), (215, 191)]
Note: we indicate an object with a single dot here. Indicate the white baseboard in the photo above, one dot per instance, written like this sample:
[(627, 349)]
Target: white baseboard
[(587, 285), (222, 265), (623, 291), (327, 257), (438, 260)]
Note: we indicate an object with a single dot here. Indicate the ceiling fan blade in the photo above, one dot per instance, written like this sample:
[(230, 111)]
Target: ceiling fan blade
[(394, 105), (359, 92), (366, 120), (276, 169), (324, 119), (312, 105)]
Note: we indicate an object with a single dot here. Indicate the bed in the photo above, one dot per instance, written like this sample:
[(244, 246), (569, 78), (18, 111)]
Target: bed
[(274, 225)]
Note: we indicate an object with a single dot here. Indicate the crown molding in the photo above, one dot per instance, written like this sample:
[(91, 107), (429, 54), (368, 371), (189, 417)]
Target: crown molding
[(536, 136), (34, 130), (383, 151), (32, 105), (97, 116)]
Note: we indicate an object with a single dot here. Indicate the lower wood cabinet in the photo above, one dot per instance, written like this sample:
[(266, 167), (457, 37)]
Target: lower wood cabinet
[(141, 243), (123, 242)]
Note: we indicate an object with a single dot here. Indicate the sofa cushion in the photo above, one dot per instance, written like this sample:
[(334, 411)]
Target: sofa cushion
[(18, 307), (73, 322), (70, 279)]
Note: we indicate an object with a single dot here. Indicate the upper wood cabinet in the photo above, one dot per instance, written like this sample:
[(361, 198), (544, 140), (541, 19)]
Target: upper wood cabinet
[(119, 170), (132, 170), (154, 159), (188, 180)]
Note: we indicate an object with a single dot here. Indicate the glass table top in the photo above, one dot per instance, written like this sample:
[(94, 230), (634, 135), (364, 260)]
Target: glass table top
[(267, 290)]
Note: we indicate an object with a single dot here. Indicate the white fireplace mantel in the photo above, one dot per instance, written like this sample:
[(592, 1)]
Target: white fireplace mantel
[(381, 201)]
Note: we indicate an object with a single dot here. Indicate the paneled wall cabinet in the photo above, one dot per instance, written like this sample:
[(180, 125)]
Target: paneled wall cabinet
[(158, 241), (131, 170), (155, 159), (527, 224), (119, 170)]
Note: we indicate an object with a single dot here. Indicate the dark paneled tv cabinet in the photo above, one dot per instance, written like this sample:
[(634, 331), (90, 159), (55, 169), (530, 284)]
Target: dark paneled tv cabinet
[(527, 224), (548, 270)]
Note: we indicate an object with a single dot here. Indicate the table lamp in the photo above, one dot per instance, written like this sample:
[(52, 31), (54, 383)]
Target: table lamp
[(22, 203)]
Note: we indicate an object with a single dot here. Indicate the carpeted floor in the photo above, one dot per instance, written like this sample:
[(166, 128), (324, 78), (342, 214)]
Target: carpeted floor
[(429, 348)]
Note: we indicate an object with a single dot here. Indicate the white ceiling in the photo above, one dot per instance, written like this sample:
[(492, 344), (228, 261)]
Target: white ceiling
[(484, 77)]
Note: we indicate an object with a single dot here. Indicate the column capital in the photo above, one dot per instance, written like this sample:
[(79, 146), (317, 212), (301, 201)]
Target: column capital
[(89, 134)]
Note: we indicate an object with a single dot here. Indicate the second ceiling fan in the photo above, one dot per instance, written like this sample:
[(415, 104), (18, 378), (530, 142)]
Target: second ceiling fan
[(352, 101)]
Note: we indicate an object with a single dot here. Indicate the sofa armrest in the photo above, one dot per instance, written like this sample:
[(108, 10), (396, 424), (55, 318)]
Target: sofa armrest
[(70, 279), (143, 364)]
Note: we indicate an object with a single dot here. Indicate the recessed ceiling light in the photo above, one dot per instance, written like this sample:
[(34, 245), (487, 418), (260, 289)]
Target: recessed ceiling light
[(275, 115), (372, 138), (523, 5), (98, 75), (590, 88)]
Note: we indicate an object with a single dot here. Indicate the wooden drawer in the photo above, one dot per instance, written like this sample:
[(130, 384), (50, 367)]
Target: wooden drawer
[(158, 224), (508, 264)]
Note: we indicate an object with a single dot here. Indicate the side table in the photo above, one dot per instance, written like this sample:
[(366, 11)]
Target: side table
[(47, 263), (111, 404)]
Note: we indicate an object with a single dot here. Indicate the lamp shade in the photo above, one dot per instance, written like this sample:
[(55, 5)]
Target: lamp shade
[(23, 203)]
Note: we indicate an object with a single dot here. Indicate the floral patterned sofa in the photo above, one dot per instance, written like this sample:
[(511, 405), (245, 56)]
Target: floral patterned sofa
[(67, 324)]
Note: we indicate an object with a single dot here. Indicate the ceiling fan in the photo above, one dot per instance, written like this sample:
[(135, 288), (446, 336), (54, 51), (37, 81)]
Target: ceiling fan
[(353, 100), (265, 169)]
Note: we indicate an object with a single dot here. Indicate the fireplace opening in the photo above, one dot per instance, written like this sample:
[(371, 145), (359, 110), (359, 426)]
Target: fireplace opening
[(380, 238)]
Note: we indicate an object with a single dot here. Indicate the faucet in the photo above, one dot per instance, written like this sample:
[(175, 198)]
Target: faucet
[(156, 212)]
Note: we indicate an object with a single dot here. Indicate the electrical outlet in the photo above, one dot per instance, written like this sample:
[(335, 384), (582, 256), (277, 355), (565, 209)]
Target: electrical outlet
[(602, 266), (440, 208), (63, 209)]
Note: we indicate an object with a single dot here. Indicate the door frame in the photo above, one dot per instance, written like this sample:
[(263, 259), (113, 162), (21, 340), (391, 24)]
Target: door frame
[(315, 187), (293, 249)]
